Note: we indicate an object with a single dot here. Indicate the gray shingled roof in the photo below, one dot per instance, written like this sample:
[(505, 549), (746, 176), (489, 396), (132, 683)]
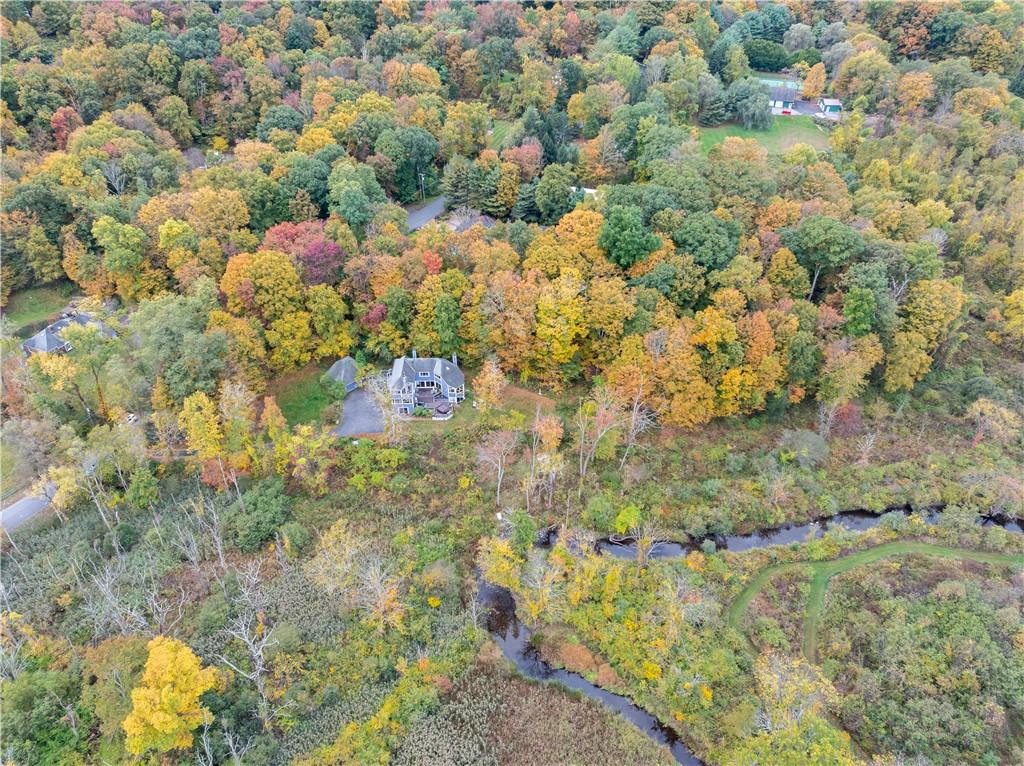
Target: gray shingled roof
[(343, 371), (44, 340), (783, 93), (404, 370), (50, 337)]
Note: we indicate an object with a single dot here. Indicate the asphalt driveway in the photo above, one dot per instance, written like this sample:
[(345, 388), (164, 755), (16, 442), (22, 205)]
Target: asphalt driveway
[(424, 213), (359, 415), (17, 513)]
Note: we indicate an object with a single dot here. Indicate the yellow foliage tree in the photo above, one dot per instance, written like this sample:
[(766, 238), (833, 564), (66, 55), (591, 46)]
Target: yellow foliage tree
[(814, 81), (165, 708)]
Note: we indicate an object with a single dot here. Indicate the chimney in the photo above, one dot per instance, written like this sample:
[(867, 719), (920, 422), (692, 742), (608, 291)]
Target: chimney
[(414, 353), (455, 359)]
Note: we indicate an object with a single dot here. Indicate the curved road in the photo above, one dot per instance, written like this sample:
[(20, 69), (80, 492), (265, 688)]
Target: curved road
[(17, 513)]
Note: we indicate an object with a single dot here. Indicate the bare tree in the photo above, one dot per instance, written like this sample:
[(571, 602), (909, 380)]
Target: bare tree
[(648, 538), (494, 452), (596, 417), (107, 603), (113, 600), (114, 175), (11, 662), (377, 589), (248, 627), (866, 446), (236, 747), (640, 418), (377, 386), (185, 540)]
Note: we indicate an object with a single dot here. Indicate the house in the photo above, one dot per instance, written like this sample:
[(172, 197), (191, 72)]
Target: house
[(433, 383), (830, 106), (783, 99), (465, 219), (343, 372), (50, 339)]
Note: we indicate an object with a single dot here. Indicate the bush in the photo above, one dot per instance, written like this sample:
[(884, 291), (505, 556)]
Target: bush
[(126, 535), (333, 388), (421, 412), (265, 507), (295, 536), (806, 448), (599, 513)]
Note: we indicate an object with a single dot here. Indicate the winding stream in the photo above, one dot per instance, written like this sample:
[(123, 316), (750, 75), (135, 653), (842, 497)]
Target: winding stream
[(514, 638)]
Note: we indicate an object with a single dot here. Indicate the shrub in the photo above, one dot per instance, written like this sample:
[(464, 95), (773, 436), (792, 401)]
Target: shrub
[(295, 536), (265, 507), (806, 448)]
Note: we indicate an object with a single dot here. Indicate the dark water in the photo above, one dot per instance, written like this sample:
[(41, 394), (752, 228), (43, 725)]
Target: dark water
[(514, 639), (851, 521)]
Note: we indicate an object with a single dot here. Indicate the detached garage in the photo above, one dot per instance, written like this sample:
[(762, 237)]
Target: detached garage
[(783, 99)]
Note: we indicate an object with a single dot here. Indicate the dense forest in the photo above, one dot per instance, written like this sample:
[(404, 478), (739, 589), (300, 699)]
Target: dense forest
[(685, 315)]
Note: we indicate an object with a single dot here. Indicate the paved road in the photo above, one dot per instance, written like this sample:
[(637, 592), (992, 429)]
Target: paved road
[(421, 215), (17, 513), (359, 415)]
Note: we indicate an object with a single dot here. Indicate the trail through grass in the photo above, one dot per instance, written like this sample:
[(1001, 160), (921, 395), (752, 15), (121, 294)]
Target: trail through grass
[(824, 571)]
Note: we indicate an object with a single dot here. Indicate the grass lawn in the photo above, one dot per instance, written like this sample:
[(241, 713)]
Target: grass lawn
[(12, 483), (785, 133), (27, 307), (300, 396), (498, 133)]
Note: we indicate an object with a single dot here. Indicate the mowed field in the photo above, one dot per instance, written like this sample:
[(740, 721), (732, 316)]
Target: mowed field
[(785, 133)]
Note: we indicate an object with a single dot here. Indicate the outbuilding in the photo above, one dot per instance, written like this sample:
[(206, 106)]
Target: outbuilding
[(783, 99), (344, 372), (830, 106)]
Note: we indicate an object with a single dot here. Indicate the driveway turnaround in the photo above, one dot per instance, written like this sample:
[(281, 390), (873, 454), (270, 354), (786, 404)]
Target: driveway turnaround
[(359, 415)]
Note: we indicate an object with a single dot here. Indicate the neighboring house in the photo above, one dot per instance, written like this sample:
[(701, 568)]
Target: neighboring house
[(783, 99), (430, 382), (831, 107), (344, 372), (465, 219), (50, 339)]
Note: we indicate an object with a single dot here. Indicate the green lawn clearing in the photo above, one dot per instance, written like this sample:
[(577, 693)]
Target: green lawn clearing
[(11, 483), (784, 134), (300, 396), (498, 133), (37, 304), (824, 571)]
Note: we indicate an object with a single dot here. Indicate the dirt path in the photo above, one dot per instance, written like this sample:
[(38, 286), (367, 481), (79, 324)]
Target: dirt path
[(824, 571)]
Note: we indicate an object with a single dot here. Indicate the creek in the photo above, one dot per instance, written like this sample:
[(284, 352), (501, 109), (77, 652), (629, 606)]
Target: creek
[(514, 638)]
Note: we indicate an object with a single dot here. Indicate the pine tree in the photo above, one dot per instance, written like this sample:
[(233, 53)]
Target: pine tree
[(526, 208), (457, 182), (714, 113)]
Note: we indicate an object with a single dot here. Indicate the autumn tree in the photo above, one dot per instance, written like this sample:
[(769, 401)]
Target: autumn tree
[(814, 81), (844, 375), (489, 385), (165, 706)]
